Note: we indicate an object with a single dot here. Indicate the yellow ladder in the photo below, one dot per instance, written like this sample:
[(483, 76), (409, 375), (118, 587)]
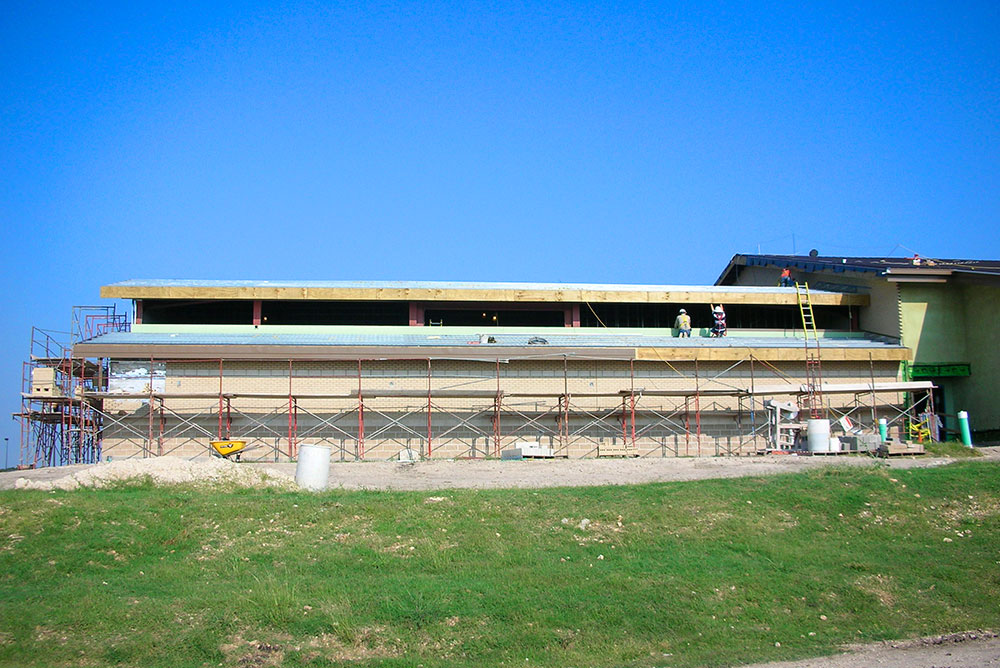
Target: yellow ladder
[(806, 311), (814, 371)]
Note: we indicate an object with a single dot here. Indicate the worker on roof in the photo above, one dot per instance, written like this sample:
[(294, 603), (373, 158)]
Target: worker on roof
[(786, 277), (683, 324), (719, 326)]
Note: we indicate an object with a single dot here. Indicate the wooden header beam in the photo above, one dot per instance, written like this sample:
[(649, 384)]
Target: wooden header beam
[(796, 354), (710, 295)]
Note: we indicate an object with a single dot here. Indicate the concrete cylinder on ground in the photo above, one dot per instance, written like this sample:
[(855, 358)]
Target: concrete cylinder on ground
[(818, 435), (312, 471), (883, 429), (963, 425)]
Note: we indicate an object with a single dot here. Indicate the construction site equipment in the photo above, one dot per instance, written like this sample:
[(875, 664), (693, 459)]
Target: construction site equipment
[(818, 435), (963, 424), (59, 425), (783, 426), (813, 400), (177, 406), (920, 430), (312, 471), (228, 448)]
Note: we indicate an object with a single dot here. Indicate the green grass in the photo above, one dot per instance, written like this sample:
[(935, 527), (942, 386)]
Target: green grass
[(699, 573), (951, 449)]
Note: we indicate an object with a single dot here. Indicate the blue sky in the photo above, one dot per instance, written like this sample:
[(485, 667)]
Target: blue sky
[(580, 142)]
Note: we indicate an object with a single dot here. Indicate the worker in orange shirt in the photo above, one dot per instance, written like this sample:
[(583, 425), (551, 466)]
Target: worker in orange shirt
[(786, 277)]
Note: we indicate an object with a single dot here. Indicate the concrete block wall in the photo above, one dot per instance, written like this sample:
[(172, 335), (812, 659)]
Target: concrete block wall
[(462, 427)]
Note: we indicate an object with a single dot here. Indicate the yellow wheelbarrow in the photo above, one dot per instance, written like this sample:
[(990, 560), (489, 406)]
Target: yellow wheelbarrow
[(228, 448)]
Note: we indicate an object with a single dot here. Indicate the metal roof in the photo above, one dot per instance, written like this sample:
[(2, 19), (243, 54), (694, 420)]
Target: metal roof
[(875, 265), (452, 340)]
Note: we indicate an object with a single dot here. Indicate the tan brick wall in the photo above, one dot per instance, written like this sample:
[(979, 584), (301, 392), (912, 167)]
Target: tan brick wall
[(463, 427)]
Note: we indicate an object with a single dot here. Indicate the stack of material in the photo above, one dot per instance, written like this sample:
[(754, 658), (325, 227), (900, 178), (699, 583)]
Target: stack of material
[(534, 449), (616, 450), (892, 447), (861, 442)]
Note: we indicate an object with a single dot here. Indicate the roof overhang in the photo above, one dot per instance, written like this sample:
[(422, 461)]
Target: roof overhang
[(893, 270), (482, 293)]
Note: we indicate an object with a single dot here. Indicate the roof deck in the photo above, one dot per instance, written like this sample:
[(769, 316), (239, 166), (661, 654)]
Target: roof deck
[(441, 344)]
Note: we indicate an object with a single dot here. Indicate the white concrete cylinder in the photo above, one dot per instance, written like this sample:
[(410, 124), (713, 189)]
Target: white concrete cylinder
[(818, 435), (312, 471)]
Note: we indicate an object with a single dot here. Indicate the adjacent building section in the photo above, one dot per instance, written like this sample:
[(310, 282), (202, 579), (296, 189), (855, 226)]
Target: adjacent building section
[(941, 310)]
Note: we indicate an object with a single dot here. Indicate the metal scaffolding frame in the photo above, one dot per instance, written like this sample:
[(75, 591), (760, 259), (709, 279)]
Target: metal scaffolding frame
[(377, 423), (58, 425), (82, 420)]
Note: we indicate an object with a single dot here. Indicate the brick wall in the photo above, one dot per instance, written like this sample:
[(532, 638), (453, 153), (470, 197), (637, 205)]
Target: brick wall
[(464, 427)]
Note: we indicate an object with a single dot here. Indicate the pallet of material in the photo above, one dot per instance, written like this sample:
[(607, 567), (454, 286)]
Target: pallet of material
[(892, 448), (534, 450), (616, 451)]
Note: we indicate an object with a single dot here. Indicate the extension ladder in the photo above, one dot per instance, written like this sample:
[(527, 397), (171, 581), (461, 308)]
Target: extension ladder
[(814, 370)]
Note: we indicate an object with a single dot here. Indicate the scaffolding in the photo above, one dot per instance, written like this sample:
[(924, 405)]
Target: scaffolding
[(713, 416), (73, 412), (59, 425)]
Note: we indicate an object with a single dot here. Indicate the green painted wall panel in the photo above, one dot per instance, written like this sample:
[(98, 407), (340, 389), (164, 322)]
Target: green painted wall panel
[(933, 322), (981, 397)]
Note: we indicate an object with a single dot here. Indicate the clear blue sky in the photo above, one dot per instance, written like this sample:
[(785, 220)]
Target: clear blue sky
[(590, 142)]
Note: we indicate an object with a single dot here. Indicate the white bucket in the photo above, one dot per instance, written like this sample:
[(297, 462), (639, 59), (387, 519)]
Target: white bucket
[(818, 435), (312, 471)]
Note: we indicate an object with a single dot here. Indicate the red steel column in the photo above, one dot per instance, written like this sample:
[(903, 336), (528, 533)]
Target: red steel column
[(416, 314), (163, 419), (361, 417), (291, 434), (697, 404), (631, 371), (428, 407), (220, 400), (149, 442), (496, 415)]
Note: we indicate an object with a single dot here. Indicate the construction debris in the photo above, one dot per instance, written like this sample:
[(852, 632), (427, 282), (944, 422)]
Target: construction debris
[(165, 471)]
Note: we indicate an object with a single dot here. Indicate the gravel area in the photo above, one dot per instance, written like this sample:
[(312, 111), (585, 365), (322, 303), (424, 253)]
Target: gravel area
[(450, 474), (971, 649), (162, 470), (536, 473)]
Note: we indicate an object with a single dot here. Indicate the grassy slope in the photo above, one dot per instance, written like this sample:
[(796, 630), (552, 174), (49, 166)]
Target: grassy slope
[(706, 573)]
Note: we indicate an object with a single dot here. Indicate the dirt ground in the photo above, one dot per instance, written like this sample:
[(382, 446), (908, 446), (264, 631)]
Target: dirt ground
[(453, 474), (484, 474), (973, 649)]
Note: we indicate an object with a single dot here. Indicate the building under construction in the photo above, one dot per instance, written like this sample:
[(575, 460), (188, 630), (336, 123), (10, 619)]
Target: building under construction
[(458, 370)]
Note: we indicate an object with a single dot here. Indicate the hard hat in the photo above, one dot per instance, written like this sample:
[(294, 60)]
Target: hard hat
[(683, 311)]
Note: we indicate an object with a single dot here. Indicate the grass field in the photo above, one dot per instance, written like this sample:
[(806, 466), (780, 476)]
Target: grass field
[(709, 573), (951, 449)]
